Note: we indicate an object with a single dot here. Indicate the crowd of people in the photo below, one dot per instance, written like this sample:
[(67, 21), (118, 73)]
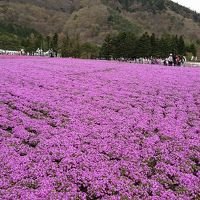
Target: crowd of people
[(172, 60), (38, 52), (175, 60), (11, 52), (151, 60)]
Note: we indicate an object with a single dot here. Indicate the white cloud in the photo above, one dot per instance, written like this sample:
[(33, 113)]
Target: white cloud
[(192, 4)]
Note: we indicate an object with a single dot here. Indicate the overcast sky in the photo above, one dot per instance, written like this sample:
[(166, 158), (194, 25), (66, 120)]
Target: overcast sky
[(192, 4)]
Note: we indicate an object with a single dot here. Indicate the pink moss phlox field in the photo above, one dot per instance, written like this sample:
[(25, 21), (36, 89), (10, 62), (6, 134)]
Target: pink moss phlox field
[(82, 129)]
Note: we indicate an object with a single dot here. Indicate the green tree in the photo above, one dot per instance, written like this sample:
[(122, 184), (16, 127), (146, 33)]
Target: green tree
[(89, 51), (144, 46), (124, 45), (181, 46), (154, 46), (76, 47), (65, 47), (9, 42), (106, 49), (175, 44), (166, 45), (55, 42), (39, 43), (48, 43)]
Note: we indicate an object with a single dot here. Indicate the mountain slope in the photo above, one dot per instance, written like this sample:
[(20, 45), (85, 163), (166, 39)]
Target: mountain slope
[(93, 19)]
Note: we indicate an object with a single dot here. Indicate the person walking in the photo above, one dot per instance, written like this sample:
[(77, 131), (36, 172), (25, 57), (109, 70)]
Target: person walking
[(178, 60), (170, 60), (174, 59)]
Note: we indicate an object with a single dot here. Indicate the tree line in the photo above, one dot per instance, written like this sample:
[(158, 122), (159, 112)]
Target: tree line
[(129, 46), (61, 44), (15, 37), (123, 45)]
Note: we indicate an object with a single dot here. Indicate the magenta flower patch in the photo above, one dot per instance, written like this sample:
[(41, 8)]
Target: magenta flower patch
[(83, 129)]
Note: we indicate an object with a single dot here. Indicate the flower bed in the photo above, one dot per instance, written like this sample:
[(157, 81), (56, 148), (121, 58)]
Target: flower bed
[(82, 129)]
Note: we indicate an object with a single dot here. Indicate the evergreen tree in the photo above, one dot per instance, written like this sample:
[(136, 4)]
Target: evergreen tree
[(55, 43), (154, 46), (175, 45), (131, 44), (181, 46), (166, 45), (48, 42), (119, 46), (106, 49), (39, 41), (144, 46), (76, 48), (65, 47)]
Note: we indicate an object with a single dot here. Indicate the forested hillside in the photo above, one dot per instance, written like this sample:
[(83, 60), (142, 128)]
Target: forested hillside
[(94, 19)]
